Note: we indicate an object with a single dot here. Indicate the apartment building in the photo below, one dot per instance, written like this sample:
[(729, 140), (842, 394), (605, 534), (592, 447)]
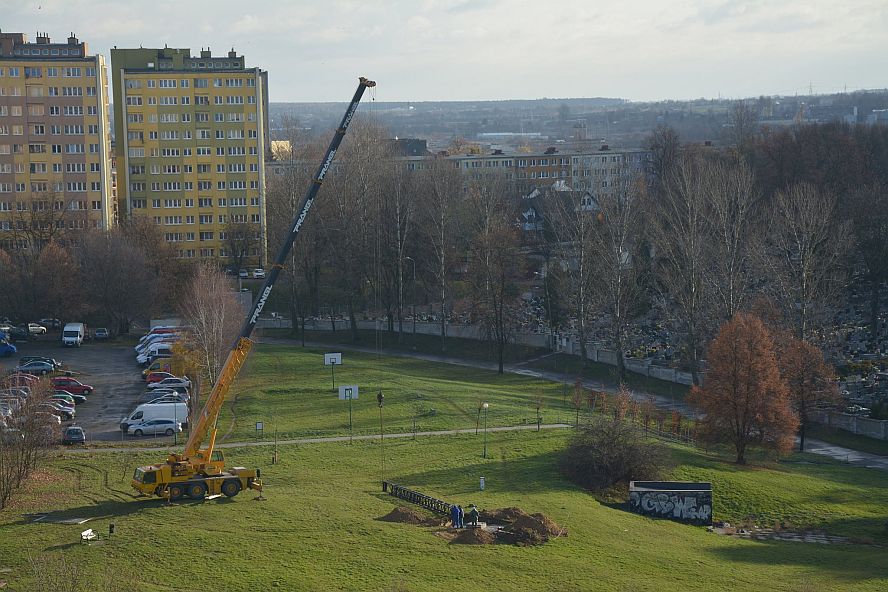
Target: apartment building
[(191, 144), (55, 140)]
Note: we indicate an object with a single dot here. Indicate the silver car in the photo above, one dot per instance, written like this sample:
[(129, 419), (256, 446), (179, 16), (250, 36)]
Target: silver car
[(155, 427)]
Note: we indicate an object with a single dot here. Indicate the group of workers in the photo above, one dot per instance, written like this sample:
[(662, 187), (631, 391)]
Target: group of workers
[(457, 516)]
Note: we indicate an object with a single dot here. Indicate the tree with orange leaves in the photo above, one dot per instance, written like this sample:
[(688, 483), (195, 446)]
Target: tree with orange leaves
[(745, 399), (810, 380)]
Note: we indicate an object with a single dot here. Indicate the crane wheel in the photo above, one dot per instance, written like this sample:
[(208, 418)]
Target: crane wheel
[(176, 492), (197, 491), (231, 488)]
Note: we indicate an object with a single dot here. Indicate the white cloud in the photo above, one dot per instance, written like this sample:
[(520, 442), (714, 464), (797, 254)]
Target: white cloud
[(473, 49)]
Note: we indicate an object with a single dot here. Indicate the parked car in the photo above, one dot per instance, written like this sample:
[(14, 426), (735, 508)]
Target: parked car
[(102, 334), (57, 408), (36, 329), (161, 365), (158, 376), (169, 398), (36, 367), (71, 385), (78, 399), (258, 274), (7, 349), (53, 361), (74, 435), (176, 396), (155, 427), (52, 323), (170, 382), (18, 334), (20, 379)]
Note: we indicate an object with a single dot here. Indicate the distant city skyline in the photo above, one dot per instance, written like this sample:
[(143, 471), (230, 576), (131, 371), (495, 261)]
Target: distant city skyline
[(443, 50)]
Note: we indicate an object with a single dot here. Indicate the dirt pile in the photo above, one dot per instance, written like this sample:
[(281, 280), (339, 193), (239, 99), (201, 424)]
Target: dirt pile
[(405, 515), (502, 515), (474, 536), (535, 529)]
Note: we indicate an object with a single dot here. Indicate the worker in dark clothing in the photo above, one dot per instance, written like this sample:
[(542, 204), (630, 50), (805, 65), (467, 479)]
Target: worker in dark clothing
[(454, 515), (473, 515), (462, 518)]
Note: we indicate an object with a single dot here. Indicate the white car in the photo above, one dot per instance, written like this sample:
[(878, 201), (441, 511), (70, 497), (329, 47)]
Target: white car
[(168, 382), (36, 329), (258, 274)]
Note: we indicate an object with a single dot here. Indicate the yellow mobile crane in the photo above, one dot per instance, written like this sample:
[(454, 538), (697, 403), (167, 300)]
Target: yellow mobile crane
[(200, 470)]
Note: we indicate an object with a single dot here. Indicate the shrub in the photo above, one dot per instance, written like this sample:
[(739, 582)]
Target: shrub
[(609, 452)]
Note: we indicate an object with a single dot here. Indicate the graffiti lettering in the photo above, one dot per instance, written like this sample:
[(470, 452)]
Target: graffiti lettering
[(684, 506)]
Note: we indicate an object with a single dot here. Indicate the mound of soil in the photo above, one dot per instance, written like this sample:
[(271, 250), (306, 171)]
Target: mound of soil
[(502, 515), (474, 536), (535, 529), (404, 515)]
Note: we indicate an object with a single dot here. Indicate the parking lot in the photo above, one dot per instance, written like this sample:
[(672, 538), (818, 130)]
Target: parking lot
[(110, 367)]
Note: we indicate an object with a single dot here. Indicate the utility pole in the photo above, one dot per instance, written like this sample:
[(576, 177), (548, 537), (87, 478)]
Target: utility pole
[(380, 399)]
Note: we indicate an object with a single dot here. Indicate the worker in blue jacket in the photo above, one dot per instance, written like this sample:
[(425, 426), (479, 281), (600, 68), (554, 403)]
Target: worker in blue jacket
[(454, 515)]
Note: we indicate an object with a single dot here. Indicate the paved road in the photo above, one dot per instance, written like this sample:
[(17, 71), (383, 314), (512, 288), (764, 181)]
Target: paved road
[(854, 457), (545, 426)]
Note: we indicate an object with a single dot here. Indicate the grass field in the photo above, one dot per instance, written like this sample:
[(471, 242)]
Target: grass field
[(473, 349), (290, 389), (317, 531)]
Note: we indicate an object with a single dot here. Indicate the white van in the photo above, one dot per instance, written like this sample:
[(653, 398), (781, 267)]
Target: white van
[(73, 334), (148, 411), (163, 349)]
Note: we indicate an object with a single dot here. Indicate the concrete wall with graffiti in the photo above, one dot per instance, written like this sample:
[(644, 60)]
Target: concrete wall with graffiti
[(676, 500)]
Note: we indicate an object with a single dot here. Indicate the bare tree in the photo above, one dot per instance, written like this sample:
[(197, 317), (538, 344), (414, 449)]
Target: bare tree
[(807, 248), (742, 126), (398, 211), (441, 187), (301, 275), (241, 240), (25, 437), (617, 267), (212, 311), (733, 224), (869, 213), (350, 214), (494, 265), (115, 279), (572, 218), (664, 147), (678, 231)]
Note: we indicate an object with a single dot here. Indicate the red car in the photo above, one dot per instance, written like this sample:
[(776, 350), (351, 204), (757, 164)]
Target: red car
[(72, 386), (158, 376)]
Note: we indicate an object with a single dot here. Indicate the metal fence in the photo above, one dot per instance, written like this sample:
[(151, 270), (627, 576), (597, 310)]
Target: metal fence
[(420, 499)]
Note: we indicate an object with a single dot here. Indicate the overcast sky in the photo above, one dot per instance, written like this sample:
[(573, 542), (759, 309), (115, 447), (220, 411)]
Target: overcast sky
[(421, 50)]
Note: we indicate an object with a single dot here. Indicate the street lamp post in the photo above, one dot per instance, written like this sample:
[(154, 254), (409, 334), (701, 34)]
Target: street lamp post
[(485, 406), (413, 298)]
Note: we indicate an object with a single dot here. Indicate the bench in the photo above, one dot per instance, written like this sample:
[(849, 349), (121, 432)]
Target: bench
[(88, 535)]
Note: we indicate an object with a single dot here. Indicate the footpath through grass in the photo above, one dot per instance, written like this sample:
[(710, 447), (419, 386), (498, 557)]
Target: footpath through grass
[(317, 531), (847, 439)]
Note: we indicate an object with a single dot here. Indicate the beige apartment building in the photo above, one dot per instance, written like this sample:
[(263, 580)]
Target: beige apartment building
[(191, 142), (55, 157)]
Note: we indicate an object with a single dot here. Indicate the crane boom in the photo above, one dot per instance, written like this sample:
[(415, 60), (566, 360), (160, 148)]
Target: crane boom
[(197, 471), (210, 411)]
